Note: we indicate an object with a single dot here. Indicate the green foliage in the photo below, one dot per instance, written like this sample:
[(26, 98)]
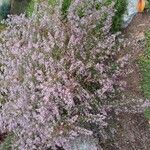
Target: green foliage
[(147, 113), (52, 2), (147, 5), (4, 10), (144, 63), (19, 6), (30, 7), (145, 68), (81, 12), (65, 7), (120, 6), (6, 145)]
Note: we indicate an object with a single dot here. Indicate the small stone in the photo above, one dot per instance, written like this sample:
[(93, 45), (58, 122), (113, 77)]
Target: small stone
[(84, 143), (140, 36), (130, 13)]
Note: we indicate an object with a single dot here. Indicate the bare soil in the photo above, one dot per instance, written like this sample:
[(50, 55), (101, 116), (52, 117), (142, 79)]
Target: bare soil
[(132, 129), (135, 34), (133, 132)]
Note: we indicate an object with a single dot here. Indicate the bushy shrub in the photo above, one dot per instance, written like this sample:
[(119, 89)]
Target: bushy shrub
[(19, 6), (56, 75), (147, 5), (120, 7), (64, 9), (4, 10)]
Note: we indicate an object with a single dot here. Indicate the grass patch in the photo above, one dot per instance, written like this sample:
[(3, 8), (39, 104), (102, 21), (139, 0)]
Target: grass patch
[(144, 63), (147, 113)]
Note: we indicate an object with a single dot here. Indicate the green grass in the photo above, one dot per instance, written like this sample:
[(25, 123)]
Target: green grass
[(144, 63), (147, 113)]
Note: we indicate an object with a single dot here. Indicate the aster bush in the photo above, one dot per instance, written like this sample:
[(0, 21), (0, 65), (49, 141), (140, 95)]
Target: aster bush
[(57, 75)]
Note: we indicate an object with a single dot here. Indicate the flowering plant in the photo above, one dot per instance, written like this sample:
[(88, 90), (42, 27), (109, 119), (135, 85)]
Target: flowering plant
[(57, 74)]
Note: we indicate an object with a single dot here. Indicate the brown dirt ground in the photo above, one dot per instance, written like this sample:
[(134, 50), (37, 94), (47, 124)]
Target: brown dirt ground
[(133, 131), (135, 33)]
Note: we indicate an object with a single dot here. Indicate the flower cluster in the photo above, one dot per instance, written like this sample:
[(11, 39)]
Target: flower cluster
[(57, 74)]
